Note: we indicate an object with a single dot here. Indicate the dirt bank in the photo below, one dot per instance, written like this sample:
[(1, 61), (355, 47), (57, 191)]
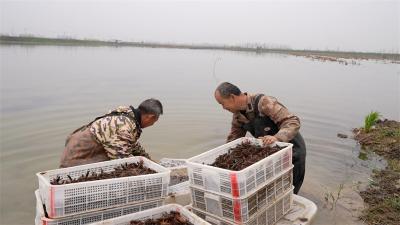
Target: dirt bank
[(382, 196)]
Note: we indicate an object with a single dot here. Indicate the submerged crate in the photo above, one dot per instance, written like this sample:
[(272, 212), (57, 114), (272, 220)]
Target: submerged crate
[(268, 216), (86, 218), (241, 183), (241, 210), (155, 213), (72, 199)]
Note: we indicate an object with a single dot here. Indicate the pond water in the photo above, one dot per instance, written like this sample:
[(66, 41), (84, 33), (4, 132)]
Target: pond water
[(48, 91)]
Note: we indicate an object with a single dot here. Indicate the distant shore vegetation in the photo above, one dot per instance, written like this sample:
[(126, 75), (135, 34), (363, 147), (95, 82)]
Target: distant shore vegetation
[(321, 55)]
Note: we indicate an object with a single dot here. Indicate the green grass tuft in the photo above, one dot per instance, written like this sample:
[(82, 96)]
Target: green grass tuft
[(370, 120)]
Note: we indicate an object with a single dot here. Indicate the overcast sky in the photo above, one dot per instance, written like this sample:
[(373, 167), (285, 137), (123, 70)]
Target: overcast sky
[(358, 25)]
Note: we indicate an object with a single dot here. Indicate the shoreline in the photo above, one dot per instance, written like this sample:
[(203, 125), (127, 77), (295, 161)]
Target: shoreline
[(313, 54), (382, 196)]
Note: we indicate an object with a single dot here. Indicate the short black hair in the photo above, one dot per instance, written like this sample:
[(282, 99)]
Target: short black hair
[(226, 89), (151, 106)]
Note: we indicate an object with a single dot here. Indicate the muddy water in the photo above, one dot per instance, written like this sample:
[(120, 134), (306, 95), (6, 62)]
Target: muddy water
[(46, 92)]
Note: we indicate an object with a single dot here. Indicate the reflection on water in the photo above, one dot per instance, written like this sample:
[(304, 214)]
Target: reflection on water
[(46, 92)]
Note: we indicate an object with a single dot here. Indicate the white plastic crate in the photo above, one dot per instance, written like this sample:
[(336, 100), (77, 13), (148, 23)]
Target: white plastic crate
[(91, 217), (76, 198), (241, 183), (182, 187), (173, 163), (268, 216), (241, 210), (155, 213)]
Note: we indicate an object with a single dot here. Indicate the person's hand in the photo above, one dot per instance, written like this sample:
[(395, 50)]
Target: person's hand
[(267, 140)]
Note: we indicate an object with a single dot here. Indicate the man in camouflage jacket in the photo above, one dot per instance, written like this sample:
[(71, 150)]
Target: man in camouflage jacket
[(265, 118), (111, 136)]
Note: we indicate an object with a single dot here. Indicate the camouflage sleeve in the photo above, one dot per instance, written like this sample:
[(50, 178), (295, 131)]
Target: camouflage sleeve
[(236, 129), (288, 123), (117, 134), (138, 150)]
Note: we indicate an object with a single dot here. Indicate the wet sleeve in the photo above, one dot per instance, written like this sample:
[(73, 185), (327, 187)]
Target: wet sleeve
[(138, 150), (236, 129), (288, 123)]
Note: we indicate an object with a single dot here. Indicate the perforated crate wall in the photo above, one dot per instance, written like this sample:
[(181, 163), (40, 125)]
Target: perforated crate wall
[(76, 198), (155, 213), (268, 216), (241, 210), (241, 183), (86, 218), (182, 187)]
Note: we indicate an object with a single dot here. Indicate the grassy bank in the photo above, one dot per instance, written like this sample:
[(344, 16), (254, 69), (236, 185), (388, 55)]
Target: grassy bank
[(382, 196), (314, 54)]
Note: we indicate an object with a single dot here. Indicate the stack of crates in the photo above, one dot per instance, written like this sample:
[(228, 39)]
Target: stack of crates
[(92, 201), (259, 194)]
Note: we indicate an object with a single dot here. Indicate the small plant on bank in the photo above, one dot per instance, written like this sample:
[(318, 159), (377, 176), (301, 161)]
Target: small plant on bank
[(370, 120), (332, 198), (395, 203)]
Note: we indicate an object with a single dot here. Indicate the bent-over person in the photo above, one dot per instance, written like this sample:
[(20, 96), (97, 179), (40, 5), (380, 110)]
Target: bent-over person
[(111, 136)]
